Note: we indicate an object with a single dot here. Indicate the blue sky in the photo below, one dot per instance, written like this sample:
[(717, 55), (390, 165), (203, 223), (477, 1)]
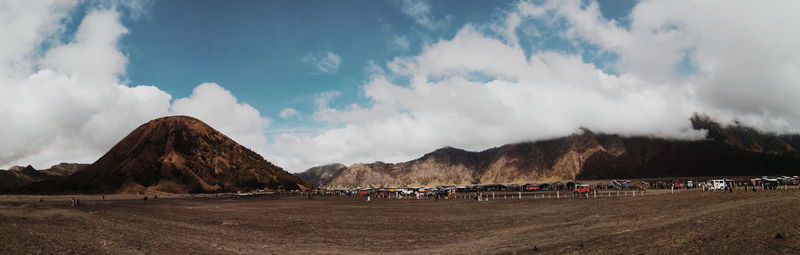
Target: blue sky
[(255, 49)]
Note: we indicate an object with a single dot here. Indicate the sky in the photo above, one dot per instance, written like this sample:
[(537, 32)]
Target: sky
[(307, 83)]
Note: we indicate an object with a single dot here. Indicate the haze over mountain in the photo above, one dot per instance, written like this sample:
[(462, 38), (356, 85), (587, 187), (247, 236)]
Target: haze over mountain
[(177, 154), (728, 151)]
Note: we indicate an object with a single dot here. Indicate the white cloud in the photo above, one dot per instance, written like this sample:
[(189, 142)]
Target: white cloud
[(400, 42), (64, 103), (745, 55), (327, 62), (476, 90), (221, 110), (71, 106), (288, 113), (421, 12), (27, 24)]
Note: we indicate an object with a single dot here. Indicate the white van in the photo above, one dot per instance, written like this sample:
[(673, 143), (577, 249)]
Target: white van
[(717, 184)]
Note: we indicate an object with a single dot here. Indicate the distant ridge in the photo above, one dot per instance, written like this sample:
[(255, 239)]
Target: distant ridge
[(18, 176), (728, 150)]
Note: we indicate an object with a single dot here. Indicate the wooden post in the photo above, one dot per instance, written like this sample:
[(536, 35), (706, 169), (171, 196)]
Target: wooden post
[(520, 195), (558, 192)]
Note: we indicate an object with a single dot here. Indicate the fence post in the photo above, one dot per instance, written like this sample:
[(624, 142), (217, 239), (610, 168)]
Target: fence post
[(595, 193), (558, 194), (520, 195)]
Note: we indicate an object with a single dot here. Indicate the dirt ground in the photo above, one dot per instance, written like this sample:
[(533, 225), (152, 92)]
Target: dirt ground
[(684, 222)]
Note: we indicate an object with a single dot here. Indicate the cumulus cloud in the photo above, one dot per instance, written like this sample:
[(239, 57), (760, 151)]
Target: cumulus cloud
[(745, 56), (327, 62), (481, 89), (288, 113), (64, 102), (218, 108)]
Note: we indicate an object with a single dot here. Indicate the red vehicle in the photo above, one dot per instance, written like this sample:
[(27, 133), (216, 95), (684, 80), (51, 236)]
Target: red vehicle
[(582, 189), (531, 187), (677, 185)]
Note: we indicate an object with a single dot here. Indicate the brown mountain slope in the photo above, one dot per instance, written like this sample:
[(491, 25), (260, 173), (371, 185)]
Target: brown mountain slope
[(18, 176), (742, 137), (64, 169), (320, 175), (177, 154), (729, 150)]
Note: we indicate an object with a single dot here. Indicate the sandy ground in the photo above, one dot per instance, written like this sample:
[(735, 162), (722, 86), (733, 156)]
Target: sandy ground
[(684, 222)]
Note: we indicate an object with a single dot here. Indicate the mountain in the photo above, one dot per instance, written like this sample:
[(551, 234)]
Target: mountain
[(64, 169), (18, 176), (321, 175), (177, 154), (742, 137), (727, 151)]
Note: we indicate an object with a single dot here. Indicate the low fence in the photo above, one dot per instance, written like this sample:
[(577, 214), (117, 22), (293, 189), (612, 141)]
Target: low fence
[(537, 195)]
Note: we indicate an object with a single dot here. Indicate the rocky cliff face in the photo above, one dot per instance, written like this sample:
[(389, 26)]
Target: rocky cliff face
[(729, 150), (176, 154)]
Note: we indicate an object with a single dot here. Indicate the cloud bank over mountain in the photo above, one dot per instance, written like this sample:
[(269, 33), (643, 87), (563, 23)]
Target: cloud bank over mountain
[(497, 83)]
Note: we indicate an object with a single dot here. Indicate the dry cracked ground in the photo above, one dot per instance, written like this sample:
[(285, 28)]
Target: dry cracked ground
[(685, 222)]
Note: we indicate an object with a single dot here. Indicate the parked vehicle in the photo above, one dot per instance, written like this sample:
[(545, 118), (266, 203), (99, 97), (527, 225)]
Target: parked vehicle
[(405, 191), (720, 184), (530, 187), (770, 183), (582, 189), (621, 184)]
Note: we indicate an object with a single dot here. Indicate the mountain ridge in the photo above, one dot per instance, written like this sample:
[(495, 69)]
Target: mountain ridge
[(727, 150)]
